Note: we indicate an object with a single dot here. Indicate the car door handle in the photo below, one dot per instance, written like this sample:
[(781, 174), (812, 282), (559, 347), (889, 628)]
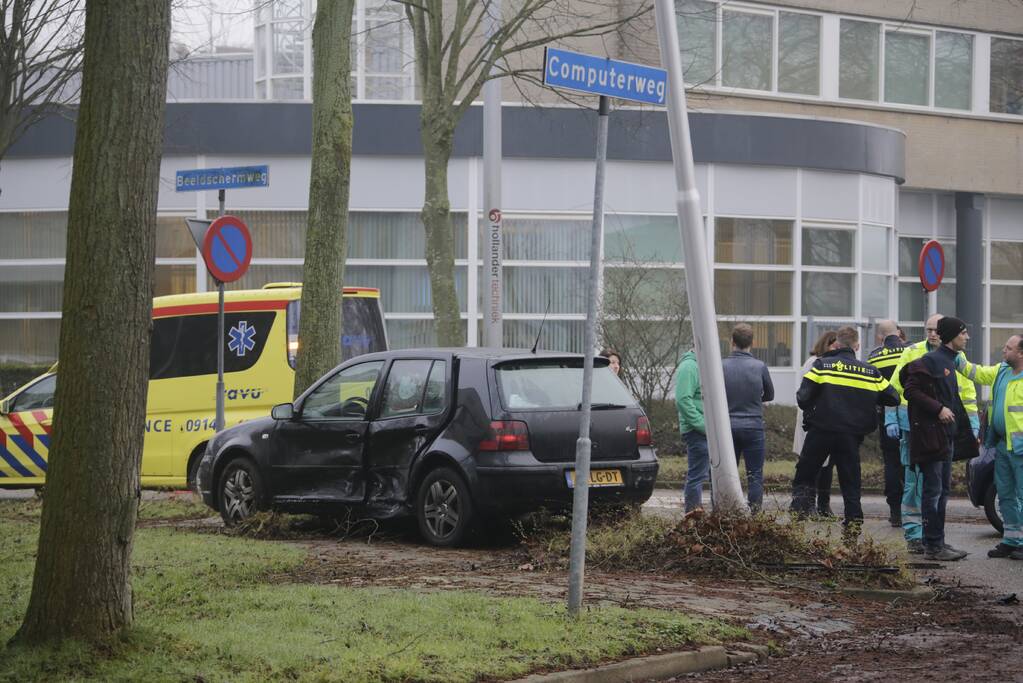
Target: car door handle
[(353, 437), (421, 429)]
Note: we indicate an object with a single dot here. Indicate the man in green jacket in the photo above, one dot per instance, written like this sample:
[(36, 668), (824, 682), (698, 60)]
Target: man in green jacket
[(1005, 434), (689, 402)]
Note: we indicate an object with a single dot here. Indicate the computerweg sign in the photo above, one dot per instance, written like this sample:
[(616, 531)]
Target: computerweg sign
[(603, 76)]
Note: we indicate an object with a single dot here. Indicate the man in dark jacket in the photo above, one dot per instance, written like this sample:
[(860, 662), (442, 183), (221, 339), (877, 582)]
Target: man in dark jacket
[(748, 387), (938, 422), (839, 396), (885, 357)]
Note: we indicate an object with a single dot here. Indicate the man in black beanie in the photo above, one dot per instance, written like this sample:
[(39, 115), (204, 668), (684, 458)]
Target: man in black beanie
[(938, 417)]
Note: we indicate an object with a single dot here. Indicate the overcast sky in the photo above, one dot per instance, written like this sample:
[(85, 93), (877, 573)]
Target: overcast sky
[(229, 21)]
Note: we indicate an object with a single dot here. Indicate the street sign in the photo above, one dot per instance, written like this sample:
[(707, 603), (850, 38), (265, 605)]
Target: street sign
[(197, 228), (602, 76), (931, 265), (222, 178), (227, 248)]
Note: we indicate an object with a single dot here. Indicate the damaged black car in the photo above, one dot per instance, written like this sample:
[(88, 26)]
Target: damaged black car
[(451, 436)]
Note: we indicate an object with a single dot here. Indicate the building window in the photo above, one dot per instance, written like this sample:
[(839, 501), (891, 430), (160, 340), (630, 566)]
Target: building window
[(752, 292), (753, 240), (953, 70), (697, 30), (1006, 76), (25, 234), (799, 37), (747, 40), (772, 341), (1007, 304), (642, 239), (858, 59), (874, 296), (907, 57), (828, 247), (1007, 260), (828, 293)]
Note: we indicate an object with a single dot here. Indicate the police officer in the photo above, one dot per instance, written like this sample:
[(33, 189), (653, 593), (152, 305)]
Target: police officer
[(885, 357), (897, 427), (839, 396)]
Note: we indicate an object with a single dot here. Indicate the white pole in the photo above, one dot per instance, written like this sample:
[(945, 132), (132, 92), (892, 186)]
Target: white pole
[(583, 445), (723, 469), (493, 262)]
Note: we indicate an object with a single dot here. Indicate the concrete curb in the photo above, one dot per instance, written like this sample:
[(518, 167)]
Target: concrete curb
[(884, 595), (657, 666)]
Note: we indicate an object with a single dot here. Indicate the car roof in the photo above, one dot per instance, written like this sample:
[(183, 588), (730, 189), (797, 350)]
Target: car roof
[(487, 353)]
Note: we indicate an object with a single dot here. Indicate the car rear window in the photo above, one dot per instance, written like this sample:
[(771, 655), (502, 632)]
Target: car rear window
[(557, 384)]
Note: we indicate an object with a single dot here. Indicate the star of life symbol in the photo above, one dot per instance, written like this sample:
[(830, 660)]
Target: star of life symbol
[(241, 338)]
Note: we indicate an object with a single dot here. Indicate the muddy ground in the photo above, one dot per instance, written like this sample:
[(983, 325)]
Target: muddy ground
[(959, 634)]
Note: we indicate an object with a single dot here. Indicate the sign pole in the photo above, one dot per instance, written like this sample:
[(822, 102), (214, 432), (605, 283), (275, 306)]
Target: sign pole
[(724, 471), (493, 322), (219, 423), (581, 494)]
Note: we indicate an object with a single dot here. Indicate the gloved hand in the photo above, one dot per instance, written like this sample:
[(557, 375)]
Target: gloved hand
[(975, 424), (892, 430)]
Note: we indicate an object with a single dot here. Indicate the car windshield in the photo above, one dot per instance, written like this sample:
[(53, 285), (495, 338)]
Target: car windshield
[(557, 384)]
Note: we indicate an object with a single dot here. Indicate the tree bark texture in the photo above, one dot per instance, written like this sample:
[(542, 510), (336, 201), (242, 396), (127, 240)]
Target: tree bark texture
[(81, 587), (327, 234), (438, 127)]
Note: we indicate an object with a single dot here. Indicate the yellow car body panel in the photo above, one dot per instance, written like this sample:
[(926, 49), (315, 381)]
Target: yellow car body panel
[(181, 406)]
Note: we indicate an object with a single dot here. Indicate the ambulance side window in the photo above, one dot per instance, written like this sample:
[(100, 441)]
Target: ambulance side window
[(39, 396), (186, 345)]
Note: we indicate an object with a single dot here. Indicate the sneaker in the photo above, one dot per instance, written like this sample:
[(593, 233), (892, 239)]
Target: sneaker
[(1001, 550), (944, 555), (915, 547), (1016, 554), (895, 519), (946, 546)]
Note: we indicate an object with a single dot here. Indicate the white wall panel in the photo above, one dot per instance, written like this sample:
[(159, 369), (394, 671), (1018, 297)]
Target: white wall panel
[(35, 184), (878, 200), (833, 196), (916, 214), (1006, 220), (754, 191)]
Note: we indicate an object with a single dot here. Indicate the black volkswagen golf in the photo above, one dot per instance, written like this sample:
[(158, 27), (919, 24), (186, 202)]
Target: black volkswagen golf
[(448, 435)]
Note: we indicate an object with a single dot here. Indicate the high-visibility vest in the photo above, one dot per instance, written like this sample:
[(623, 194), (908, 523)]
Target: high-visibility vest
[(988, 374), (967, 392)]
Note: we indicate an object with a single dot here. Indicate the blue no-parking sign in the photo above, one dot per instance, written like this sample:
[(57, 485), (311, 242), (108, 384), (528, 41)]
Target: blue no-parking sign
[(931, 265), (227, 248)]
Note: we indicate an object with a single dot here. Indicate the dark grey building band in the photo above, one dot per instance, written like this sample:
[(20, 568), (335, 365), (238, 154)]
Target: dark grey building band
[(970, 269), (284, 128)]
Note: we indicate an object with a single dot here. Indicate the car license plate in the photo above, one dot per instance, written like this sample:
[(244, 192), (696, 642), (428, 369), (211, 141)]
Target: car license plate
[(598, 478)]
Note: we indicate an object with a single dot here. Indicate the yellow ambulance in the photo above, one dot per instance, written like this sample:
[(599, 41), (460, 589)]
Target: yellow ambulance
[(260, 343)]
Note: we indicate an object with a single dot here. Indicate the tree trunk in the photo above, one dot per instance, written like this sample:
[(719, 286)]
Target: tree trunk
[(82, 583), (326, 239), (437, 137)]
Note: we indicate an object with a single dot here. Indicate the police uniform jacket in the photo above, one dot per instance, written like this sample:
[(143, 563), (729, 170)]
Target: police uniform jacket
[(886, 357), (841, 393)]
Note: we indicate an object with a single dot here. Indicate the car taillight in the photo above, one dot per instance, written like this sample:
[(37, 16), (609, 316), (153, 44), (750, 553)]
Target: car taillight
[(506, 435), (643, 431)]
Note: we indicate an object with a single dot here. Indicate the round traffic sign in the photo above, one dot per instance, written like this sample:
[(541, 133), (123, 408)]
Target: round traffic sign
[(931, 265), (227, 248)]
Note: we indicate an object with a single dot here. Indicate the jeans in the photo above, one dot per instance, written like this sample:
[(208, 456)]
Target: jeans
[(699, 467), (749, 444), (937, 479), (844, 450)]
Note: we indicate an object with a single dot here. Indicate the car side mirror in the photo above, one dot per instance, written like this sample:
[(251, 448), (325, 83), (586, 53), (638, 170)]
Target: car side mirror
[(283, 411), (5, 406)]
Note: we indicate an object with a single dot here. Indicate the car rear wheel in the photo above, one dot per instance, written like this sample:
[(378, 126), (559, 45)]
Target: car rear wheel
[(991, 507), (241, 491), (444, 508)]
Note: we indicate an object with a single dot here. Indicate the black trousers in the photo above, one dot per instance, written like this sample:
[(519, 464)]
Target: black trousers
[(894, 471), (844, 450)]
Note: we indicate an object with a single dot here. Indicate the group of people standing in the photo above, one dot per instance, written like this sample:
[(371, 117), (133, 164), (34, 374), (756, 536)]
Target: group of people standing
[(920, 397)]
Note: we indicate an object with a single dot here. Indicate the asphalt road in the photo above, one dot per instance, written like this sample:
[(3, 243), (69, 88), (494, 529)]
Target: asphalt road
[(966, 528)]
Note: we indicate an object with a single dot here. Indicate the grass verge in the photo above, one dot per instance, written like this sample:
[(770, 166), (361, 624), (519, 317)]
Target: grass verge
[(206, 611)]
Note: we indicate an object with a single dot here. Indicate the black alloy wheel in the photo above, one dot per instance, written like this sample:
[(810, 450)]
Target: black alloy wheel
[(444, 508), (241, 491), (991, 507)]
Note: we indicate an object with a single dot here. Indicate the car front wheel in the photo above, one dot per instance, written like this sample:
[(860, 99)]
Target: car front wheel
[(991, 507), (444, 508), (241, 491)]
